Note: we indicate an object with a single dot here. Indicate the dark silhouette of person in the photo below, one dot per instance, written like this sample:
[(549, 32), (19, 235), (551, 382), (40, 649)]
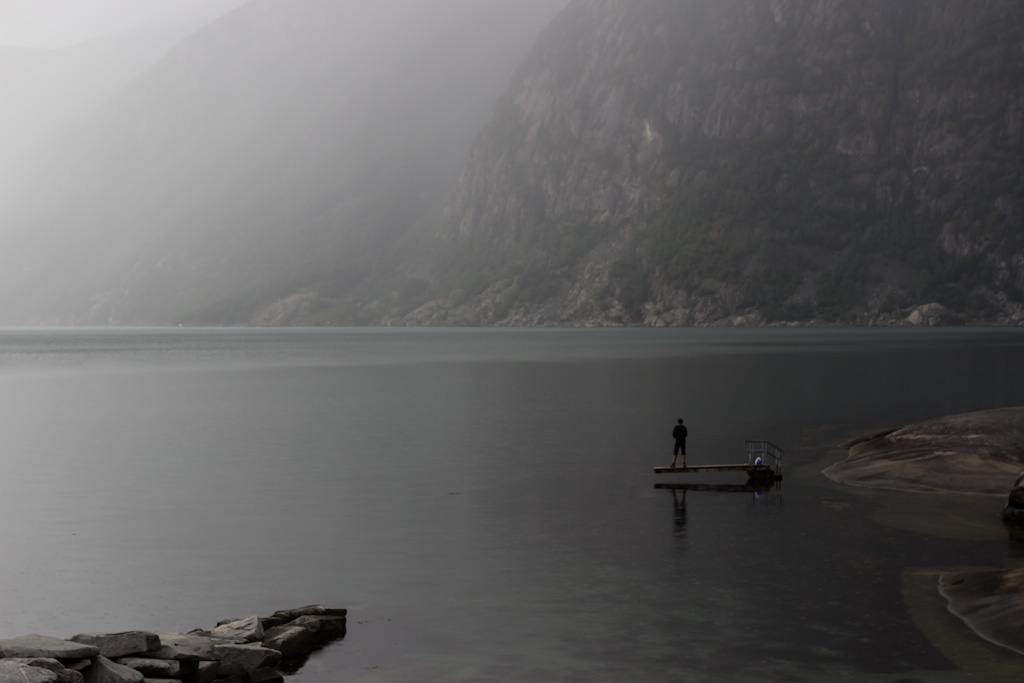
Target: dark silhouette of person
[(679, 434)]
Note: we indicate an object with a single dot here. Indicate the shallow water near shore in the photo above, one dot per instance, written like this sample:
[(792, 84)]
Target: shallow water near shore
[(483, 500)]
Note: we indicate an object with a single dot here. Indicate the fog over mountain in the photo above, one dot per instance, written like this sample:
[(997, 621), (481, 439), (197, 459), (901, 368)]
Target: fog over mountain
[(269, 148), (45, 89), (615, 162)]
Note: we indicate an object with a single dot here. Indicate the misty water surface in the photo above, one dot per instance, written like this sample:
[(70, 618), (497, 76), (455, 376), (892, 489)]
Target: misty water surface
[(483, 501)]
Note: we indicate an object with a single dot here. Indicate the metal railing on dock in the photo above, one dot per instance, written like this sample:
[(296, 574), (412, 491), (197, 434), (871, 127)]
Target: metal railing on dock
[(765, 453)]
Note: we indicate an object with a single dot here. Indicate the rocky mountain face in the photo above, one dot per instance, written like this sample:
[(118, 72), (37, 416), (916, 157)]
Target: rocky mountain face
[(651, 162), (681, 162), (260, 167)]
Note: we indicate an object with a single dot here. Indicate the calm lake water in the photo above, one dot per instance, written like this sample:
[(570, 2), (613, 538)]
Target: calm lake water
[(483, 500)]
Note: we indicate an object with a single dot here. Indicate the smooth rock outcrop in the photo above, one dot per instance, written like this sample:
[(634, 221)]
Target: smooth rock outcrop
[(991, 602), (35, 645), (981, 452), (121, 644)]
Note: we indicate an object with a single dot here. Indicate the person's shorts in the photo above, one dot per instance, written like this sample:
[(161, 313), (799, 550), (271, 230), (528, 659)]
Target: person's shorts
[(680, 448)]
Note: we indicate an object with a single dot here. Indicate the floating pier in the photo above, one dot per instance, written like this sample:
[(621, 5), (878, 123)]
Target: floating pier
[(764, 464), (750, 487)]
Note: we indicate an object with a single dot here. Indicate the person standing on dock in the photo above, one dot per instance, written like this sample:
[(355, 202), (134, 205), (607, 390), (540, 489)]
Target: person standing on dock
[(679, 434)]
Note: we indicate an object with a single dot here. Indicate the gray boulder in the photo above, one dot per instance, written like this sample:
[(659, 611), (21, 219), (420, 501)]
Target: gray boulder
[(929, 315), (1014, 509), (158, 668), (14, 670), (185, 648), (35, 645), (305, 634), (325, 624), (281, 617), (64, 674), (241, 660), (206, 673), (248, 630), (291, 641), (120, 644), (104, 670)]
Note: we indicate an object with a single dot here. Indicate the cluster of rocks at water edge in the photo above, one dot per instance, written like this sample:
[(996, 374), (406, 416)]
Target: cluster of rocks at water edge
[(251, 650)]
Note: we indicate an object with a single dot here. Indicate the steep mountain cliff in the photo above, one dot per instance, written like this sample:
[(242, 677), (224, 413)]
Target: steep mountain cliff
[(676, 162), (655, 162)]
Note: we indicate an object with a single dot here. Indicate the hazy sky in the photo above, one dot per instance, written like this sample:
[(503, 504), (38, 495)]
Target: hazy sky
[(59, 23)]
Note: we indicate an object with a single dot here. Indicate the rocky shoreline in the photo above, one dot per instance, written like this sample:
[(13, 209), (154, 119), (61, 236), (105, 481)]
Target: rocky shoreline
[(251, 650), (676, 309), (979, 453)]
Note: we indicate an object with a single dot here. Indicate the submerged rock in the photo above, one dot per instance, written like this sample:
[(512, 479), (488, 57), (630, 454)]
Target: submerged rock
[(991, 602), (981, 452)]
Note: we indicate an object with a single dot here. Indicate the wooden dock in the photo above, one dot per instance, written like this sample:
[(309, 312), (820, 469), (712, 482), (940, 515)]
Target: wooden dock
[(754, 472), (710, 468), (750, 487), (757, 467)]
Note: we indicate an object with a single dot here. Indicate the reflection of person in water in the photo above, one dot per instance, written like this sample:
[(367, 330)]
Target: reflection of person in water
[(679, 506)]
